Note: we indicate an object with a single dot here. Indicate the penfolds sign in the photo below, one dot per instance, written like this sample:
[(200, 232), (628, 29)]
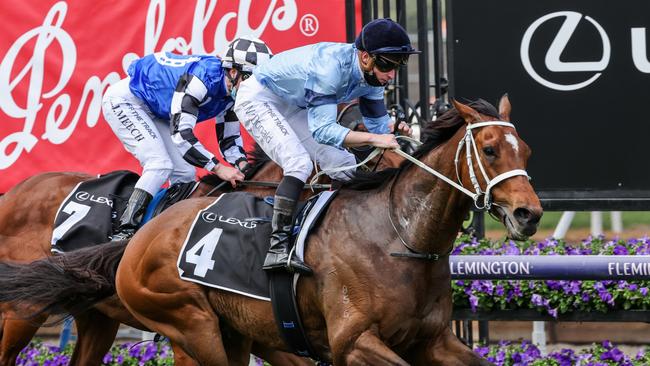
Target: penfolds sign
[(58, 57)]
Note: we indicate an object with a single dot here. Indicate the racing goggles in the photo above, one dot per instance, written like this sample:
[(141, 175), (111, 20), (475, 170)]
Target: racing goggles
[(386, 63)]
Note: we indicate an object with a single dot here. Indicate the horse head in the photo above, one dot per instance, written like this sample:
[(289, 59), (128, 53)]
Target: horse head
[(494, 159)]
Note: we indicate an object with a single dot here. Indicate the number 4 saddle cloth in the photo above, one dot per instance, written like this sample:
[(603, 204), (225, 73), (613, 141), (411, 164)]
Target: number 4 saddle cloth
[(226, 246)]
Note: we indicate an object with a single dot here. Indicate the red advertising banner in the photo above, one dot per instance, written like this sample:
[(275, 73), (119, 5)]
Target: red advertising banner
[(58, 58)]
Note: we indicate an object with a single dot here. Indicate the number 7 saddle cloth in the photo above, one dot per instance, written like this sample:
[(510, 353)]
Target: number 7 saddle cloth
[(90, 213)]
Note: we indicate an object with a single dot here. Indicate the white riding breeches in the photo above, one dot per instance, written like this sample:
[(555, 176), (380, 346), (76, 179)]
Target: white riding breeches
[(145, 136), (282, 132)]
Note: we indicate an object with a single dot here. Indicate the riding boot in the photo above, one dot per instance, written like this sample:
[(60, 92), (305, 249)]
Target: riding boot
[(133, 214), (282, 226)]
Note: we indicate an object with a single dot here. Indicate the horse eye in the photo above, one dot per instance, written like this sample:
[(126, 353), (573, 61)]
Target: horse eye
[(489, 151)]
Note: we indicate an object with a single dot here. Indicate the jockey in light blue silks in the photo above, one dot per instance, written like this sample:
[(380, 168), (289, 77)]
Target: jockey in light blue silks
[(155, 109), (289, 108)]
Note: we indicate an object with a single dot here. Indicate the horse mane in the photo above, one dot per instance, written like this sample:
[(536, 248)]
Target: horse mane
[(434, 134), (256, 158)]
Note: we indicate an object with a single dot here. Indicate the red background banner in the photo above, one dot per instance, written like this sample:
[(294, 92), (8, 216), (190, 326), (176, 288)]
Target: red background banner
[(58, 57)]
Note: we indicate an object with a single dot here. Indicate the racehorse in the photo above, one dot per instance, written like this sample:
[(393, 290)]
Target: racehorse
[(381, 289), (27, 215)]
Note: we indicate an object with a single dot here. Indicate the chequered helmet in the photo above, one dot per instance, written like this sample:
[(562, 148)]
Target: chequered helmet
[(244, 53)]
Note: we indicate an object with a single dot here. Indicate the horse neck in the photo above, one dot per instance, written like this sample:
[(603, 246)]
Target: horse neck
[(427, 211)]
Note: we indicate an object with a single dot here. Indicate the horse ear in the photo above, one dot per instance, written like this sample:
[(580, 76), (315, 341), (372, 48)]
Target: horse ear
[(505, 108), (468, 113)]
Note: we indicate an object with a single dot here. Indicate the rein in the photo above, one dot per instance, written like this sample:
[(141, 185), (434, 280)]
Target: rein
[(255, 183), (470, 148)]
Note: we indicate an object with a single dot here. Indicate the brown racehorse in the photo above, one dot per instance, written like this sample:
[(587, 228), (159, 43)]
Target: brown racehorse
[(26, 217), (363, 306)]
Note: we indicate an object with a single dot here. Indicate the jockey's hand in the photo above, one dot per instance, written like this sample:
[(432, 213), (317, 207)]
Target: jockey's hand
[(403, 128), (228, 174), (387, 141)]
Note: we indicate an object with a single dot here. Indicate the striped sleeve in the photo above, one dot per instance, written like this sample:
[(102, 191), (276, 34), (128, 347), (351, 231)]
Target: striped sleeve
[(229, 137), (190, 91)]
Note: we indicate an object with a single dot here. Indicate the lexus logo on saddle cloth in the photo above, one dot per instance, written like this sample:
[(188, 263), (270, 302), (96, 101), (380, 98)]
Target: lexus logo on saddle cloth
[(552, 60)]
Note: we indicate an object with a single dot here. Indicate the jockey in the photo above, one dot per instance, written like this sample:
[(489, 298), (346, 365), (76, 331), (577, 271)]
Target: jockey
[(155, 109), (289, 107)]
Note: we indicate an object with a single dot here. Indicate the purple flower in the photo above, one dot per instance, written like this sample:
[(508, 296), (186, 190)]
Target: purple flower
[(482, 351), (606, 297), (614, 354), (498, 290), (643, 291), (537, 300), (621, 250), (473, 302)]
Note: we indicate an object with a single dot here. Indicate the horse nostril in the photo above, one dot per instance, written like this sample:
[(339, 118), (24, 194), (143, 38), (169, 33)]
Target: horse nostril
[(526, 217)]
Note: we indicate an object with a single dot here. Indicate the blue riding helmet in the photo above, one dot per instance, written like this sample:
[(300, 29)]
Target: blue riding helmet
[(384, 36)]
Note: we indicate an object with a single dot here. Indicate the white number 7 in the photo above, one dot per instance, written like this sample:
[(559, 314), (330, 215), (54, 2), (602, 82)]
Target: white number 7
[(77, 211)]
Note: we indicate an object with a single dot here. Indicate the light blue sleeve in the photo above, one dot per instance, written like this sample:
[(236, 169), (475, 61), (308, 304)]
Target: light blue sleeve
[(377, 125), (320, 96), (323, 126)]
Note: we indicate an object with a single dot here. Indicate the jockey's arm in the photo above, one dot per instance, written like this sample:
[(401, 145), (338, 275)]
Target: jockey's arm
[(190, 91), (325, 130), (230, 140)]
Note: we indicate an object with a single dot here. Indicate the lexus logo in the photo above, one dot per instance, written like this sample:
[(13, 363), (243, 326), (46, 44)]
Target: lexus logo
[(552, 60), (82, 196), (209, 217)]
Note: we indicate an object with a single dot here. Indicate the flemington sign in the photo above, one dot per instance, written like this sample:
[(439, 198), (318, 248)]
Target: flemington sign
[(577, 73), (550, 267)]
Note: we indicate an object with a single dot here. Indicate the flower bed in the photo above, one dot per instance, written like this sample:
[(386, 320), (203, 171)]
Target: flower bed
[(526, 354), (552, 297), (128, 354), (502, 354)]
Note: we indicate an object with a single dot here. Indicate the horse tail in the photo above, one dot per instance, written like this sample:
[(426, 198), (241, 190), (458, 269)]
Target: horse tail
[(66, 283)]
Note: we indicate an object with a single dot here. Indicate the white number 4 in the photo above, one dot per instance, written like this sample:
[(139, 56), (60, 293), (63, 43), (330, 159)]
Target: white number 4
[(204, 260)]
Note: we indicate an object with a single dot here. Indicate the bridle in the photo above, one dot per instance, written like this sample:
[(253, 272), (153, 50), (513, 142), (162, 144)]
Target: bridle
[(470, 150)]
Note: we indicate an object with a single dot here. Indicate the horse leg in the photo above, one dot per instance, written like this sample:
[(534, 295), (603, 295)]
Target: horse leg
[(181, 313), (447, 350), (237, 347), (275, 357), (16, 334), (95, 335), (366, 350)]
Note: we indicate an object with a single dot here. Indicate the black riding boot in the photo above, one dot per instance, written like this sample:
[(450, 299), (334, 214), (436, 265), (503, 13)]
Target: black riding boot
[(282, 229), (133, 214)]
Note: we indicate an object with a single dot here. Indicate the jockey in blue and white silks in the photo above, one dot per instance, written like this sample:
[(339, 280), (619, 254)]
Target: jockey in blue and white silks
[(155, 109), (289, 107)]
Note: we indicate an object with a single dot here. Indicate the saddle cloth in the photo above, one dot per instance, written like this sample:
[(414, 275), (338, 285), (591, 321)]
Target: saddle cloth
[(227, 243), (90, 213)]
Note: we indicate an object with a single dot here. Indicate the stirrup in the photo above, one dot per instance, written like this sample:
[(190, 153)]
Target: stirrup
[(123, 235)]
